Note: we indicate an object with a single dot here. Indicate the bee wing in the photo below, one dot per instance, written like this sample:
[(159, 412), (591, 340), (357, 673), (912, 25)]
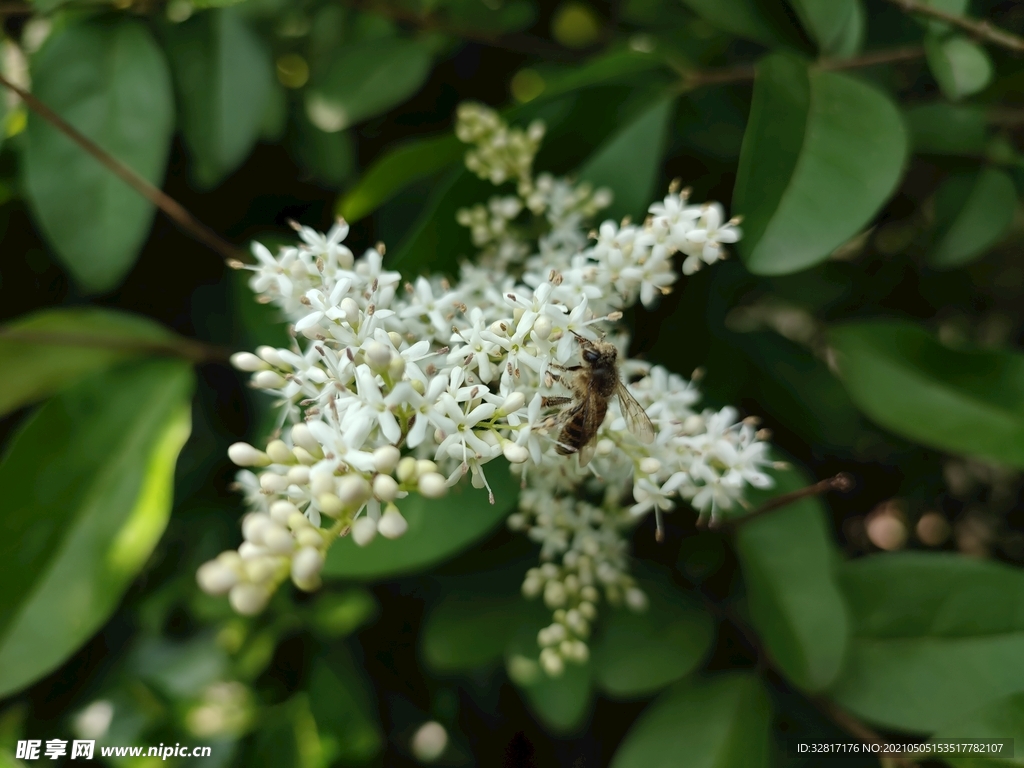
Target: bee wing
[(636, 418)]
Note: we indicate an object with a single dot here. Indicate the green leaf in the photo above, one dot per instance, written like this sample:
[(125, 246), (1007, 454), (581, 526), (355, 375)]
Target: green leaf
[(947, 129), (999, 719), (629, 162), (966, 401), (936, 636), (224, 81), (342, 703), (637, 654), (961, 66), (330, 158), (719, 722), (87, 491), (762, 22), (829, 22), (366, 79), (473, 625), (94, 339), (397, 169), (438, 529), (788, 559), (821, 154), (954, 7), (850, 41), (118, 93), (974, 212), (561, 703)]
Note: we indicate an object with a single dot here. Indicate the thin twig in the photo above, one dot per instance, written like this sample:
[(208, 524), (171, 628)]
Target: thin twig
[(745, 72), (980, 28), (841, 482), (189, 349), (174, 210), (856, 728)]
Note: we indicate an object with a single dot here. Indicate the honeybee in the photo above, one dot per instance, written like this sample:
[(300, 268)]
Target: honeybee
[(593, 384)]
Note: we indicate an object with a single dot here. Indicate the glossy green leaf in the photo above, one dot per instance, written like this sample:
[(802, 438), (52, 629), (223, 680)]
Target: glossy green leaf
[(961, 66), (947, 129), (788, 559), (341, 701), (821, 154), (562, 704), (999, 719), (118, 94), (438, 529), (966, 401), (88, 483), (224, 81), (60, 346), (637, 654), (974, 212), (935, 637), (398, 169), (629, 162), (830, 22), (762, 22), (365, 79), (718, 722)]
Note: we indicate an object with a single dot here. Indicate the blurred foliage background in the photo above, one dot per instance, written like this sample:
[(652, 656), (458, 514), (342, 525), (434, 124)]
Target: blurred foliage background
[(872, 320)]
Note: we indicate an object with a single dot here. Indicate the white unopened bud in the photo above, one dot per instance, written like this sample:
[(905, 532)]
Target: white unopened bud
[(386, 458), (272, 356), (248, 599), (396, 368), (378, 357), (253, 526), (516, 454), (552, 662), (385, 487), (298, 475), (542, 327), (297, 521), (303, 437), (281, 510), (306, 564), (363, 531), (406, 470), (304, 456), (650, 465), (349, 310), (587, 610), (392, 525), (330, 504), (353, 489), (244, 455), (280, 453), (309, 536), (273, 482), (215, 578), (554, 594), (268, 380), (433, 485), (247, 550), (321, 480), (532, 587), (247, 361), (636, 599), (429, 742), (278, 540), (260, 569), (513, 402), (425, 465)]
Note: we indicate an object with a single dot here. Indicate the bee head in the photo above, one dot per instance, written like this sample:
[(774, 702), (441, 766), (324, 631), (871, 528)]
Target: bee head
[(591, 355)]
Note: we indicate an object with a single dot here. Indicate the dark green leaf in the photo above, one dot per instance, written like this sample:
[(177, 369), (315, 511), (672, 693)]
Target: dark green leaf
[(629, 162), (974, 212), (87, 485), (999, 719), (118, 93), (93, 339), (765, 23), (341, 701), (961, 66), (437, 530), (963, 401), (366, 79), (563, 703), (829, 22), (947, 129), (720, 722), (637, 654), (398, 169), (330, 158), (821, 154), (224, 80), (340, 614), (851, 39), (788, 558), (936, 636)]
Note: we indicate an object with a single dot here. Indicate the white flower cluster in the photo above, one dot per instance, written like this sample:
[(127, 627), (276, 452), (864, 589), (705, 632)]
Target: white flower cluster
[(394, 387)]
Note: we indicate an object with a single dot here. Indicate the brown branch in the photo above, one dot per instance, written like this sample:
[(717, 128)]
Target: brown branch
[(189, 349), (171, 207), (841, 482), (980, 28), (746, 72)]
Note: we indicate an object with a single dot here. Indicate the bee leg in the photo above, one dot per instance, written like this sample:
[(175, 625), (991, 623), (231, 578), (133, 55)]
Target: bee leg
[(549, 401)]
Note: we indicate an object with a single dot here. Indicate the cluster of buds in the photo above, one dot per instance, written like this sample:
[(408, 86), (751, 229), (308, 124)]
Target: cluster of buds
[(500, 153)]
